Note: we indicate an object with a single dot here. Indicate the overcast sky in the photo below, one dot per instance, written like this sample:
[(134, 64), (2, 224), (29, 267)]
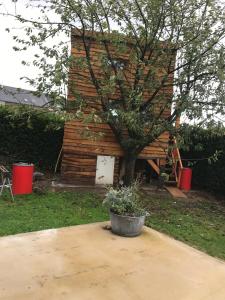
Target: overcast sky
[(10, 61)]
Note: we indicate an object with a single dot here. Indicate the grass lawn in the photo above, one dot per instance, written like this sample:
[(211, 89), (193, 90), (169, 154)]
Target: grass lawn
[(51, 210), (198, 222)]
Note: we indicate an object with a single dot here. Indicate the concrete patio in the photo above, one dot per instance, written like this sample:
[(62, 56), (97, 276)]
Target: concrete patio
[(88, 263)]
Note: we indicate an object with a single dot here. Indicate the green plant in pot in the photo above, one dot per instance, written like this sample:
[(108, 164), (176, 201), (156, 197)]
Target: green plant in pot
[(126, 215)]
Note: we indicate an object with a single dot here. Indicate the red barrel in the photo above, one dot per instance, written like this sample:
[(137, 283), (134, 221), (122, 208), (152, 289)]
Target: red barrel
[(185, 179), (22, 178)]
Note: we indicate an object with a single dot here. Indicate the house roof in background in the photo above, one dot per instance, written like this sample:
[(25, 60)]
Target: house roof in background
[(20, 96)]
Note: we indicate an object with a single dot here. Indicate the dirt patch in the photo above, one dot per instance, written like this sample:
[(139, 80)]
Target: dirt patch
[(199, 195), (52, 182)]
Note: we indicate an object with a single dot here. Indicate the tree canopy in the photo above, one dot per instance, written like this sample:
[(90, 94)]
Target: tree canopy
[(172, 44)]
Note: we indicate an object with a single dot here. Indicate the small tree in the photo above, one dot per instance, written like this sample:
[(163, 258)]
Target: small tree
[(158, 30)]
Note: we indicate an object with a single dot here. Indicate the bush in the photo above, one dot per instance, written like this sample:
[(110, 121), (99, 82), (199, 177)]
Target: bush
[(124, 201), (30, 135), (206, 156)]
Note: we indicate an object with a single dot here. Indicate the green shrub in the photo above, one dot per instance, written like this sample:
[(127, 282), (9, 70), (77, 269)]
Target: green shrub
[(30, 135), (124, 201), (206, 156)]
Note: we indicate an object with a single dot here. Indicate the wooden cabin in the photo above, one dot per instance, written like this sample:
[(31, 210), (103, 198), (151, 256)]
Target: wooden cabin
[(90, 160)]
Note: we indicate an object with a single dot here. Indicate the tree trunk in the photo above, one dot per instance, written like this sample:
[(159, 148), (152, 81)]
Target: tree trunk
[(129, 160)]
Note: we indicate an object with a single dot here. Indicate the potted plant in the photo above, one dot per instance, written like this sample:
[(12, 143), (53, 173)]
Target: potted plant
[(126, 215)]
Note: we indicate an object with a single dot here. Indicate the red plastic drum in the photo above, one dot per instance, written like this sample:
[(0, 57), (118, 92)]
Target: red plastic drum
[(185, 179), (22, 178)]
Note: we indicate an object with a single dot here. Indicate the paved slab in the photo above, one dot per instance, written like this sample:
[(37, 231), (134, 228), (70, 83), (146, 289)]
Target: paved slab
[(88, 263)]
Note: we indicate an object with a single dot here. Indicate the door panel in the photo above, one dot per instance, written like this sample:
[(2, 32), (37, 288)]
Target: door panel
[(105, 169)]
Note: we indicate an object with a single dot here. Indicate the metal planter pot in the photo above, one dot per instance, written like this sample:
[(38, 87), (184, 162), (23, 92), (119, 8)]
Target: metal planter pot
[(125, 225)]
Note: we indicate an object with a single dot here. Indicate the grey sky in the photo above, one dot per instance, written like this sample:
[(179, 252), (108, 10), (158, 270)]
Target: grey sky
[(10, 61)]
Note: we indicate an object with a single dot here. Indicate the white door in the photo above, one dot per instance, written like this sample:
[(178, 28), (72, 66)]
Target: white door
[(104, 169)]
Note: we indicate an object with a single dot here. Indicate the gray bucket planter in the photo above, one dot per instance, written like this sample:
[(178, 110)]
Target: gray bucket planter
[(125, 225)]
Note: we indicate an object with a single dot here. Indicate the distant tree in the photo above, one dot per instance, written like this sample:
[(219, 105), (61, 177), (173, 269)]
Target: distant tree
[(193, 30)]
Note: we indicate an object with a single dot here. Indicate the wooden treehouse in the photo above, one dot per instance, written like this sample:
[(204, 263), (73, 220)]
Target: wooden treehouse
[(89, 160)]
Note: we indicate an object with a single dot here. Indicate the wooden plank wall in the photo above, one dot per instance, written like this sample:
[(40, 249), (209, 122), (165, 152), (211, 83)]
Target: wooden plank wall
[(75, 143), (80, 80), (81, 169), (79, 152), (78, 168)]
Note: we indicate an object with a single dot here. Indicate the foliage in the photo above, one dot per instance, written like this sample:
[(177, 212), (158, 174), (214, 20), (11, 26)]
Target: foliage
[(152, 33), (124, 201), (206, 156), (30, 135)]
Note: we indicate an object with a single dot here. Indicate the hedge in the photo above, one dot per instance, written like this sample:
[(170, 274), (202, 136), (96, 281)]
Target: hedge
[(36, 136), (206, 156), (30, 135)]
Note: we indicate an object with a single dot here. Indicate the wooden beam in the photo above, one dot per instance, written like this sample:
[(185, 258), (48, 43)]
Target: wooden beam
[(177, 123), (154, 166)]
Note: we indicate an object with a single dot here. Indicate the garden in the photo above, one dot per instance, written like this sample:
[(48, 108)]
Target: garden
[(197, 221), (135, 109)]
